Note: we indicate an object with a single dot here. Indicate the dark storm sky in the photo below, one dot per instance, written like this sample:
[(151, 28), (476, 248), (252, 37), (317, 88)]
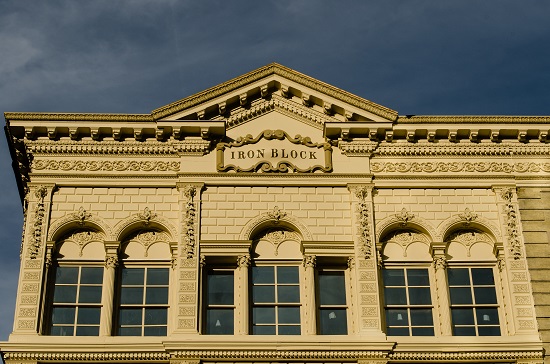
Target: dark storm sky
[(132, 56)]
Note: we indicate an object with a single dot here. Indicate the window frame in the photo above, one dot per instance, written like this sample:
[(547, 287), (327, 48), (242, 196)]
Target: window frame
[(469, 265), (204, 297), (51, 289), (405, 266), (331, 268), (300, 304), (130, 264)]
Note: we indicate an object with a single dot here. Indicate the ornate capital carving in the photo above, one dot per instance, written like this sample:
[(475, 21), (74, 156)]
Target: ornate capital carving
[(365, 241), (440, 263), (309, 261), (111, 261), (351, 263), (243, 261)]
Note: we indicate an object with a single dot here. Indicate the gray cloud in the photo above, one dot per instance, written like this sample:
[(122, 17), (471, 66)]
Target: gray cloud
[(417, 57)]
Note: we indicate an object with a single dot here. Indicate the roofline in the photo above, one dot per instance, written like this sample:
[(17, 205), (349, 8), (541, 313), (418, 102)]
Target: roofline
[(474, 119), (274, 69)]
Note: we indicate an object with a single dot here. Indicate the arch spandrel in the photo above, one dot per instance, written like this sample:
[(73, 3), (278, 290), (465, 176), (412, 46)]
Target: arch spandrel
[(470, 244), (395, 222), (274, 219), (405, 244), (142, 221), (147, 244), (277, 243), (59, 228), (81, 244), (458, 222)]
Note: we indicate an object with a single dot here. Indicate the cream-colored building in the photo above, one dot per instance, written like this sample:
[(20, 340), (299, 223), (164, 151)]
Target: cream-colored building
[(275, 218)]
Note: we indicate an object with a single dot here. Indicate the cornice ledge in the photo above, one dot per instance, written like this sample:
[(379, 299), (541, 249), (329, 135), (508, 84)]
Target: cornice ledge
[(476, 149), (437, 119), (280, 354), (482, 355), (48, 116), (460, 167), (87, 356)]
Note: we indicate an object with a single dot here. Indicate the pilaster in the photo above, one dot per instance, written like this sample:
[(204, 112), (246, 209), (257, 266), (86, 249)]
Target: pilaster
[(31, 288), (366, 273), (187, 271), (518, 306), (241, 289), (443, 305), (108, 291), (310, 309)]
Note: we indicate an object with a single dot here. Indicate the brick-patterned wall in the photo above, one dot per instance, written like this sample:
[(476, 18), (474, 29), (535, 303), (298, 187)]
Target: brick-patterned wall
[(534, 204), (435, 205), (115, 203), (325, 211)]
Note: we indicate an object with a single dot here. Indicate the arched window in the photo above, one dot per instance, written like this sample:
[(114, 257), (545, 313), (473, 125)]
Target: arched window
[(407, 275), (143, 285), (74, 298), (473, 288)]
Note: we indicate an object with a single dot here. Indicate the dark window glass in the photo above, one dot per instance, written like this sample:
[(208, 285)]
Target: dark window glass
[(275, 300), (143, 307), (332, 288), (333, 321), (474, 307), (76, 302), (408, 302), (219, 302)]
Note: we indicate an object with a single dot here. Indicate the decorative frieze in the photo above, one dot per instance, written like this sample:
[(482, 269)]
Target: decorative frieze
[(460, 167), (188, 221), (366, 245), (38, 222), (104, 165), (512, 224)]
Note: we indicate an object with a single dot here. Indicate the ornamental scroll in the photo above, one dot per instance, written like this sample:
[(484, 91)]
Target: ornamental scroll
[(274, 151)]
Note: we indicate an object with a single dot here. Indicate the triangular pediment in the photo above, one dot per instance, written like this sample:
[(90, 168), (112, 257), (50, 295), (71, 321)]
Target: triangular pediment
[(275, 88)]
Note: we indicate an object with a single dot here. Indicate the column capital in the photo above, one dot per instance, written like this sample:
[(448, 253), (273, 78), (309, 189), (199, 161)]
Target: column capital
[(309, 261), (243, 261)]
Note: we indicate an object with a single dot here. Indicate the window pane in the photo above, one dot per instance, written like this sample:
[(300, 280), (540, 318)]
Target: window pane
[(66, 275), (398, 331), (464, 331), (418, 277), (458, 276), (154, 331), (263, 275), (289, 330), (88, 316), (63, 315), (489, 331), (395, 296), (129, 295), (333, 321), (90, 294), (485, 295), (487, 316), (482, 276), (394, 277), (130, 316), (332, 288), (156, 316), (157, 276), (64, 294), (129, 331), (419, 296), (62, 331), (219, 321), (460, 295), (463, 316), (220, 288), (263, 330), (265, 294), (87, 331), (133, 276), (263, 315), (288, 315), (288, 294), (422, 331), (421, 317), (287, 275), (156, 295), (397, 317), (91, 276)]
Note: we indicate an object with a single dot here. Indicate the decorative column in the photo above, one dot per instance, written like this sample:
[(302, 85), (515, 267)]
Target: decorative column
[(241, 295), (518, 304), (108, 290), (187, 271), (310, 309), (366, 273), (30, 295), (443, 305)]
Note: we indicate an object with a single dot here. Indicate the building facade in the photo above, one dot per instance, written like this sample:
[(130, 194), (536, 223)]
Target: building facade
[(275, 218)]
